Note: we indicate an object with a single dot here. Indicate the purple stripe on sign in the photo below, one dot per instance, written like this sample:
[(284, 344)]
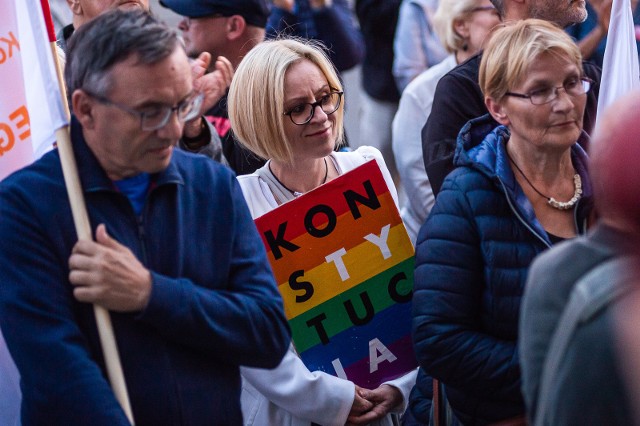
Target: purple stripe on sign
[(358, 372)]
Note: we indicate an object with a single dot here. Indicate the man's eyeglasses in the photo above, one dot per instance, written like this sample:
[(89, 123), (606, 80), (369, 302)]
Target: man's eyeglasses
[(155, 118), (303, 113), (573, 87)]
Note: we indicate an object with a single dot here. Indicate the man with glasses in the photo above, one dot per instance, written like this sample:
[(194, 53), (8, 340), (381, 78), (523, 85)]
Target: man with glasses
[(229, 29), (198, 135), (458, 97), (177, 258)]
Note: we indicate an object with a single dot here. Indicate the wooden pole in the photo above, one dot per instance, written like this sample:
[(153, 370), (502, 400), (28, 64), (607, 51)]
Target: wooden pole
[(83, 229)]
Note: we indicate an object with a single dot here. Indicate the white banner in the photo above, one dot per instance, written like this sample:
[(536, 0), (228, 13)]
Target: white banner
[(30, 107), (31, 110), (620, 71)]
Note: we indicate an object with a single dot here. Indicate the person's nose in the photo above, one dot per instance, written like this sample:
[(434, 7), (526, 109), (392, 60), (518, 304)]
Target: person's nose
[(564, 101), (319, 116), (173, 129)]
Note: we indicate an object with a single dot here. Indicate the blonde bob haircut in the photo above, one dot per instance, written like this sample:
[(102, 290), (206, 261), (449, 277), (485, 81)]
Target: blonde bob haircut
[(447, 13), (256, 95), (515, 47)]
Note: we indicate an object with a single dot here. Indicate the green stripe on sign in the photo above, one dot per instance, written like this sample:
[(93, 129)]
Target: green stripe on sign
[(333, 314)]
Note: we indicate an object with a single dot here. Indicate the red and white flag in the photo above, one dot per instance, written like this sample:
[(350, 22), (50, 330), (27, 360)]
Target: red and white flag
[(31, 108), (620, 70)]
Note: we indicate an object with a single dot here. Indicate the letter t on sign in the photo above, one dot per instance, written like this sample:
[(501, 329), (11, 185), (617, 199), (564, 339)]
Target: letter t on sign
[(336, 257)]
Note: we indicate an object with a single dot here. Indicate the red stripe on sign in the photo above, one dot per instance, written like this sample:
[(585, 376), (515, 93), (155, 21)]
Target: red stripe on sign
[(354, 192)]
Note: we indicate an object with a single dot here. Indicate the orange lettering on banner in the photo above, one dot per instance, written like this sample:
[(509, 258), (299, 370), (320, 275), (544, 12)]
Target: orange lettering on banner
[(20, 119), (24, 122), (6, 47)]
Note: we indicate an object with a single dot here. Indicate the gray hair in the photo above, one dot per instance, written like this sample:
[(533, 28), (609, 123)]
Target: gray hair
[(111, 38)]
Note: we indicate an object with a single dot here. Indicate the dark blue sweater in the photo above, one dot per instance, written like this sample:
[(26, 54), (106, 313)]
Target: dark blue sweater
[(214, 304), (472, 258)]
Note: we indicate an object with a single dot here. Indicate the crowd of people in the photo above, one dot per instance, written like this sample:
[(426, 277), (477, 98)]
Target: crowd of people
[(479, 113)]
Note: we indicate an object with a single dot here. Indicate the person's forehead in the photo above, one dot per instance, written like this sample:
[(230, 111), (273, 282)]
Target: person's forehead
[(138, 81)]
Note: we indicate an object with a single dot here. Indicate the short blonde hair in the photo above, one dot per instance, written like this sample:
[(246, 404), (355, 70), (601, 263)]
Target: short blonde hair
[(256, 95), (447, 13), (513, 49)]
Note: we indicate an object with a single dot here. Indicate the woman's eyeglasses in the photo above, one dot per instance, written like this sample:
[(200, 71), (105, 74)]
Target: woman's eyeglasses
[(303, 113), (573, 87)]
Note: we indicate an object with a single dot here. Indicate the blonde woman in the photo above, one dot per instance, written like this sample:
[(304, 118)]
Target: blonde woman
[(286, 106), (517, 189)]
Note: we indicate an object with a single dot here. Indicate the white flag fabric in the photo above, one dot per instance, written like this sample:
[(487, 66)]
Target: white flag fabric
[(31, 108), (620, 70)]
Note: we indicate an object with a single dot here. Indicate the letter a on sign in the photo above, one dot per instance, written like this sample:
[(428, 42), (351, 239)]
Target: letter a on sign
[(376, 347)]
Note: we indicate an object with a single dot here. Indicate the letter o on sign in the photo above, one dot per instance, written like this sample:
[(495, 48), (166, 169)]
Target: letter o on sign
[(332, 220)]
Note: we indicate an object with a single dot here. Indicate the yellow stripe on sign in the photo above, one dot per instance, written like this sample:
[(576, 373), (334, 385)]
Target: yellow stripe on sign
[(359, 264)]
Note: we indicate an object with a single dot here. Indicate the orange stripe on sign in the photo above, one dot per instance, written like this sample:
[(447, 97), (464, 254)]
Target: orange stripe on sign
[(354, 188), (329, 279), (348, 233)]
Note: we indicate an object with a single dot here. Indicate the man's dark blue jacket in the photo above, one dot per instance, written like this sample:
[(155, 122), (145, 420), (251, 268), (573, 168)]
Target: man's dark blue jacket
[(214, 304)]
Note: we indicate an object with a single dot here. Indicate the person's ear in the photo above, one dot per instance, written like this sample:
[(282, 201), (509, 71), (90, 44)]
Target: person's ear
[(75, 6), (235, 27), (461, 27), (83, 107), (497, 111)]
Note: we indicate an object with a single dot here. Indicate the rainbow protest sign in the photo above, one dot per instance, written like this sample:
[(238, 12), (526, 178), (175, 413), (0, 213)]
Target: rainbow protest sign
[(344, 265)]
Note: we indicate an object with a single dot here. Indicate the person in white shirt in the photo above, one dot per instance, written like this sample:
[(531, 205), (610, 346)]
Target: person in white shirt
[(285, 105), (463, 27)]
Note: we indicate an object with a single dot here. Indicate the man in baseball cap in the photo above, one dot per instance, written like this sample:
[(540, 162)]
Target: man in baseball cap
[(254, 12), (223, 28)]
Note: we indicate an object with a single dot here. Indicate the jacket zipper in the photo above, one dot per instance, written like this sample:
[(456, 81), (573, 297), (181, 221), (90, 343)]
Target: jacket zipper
[(515, 211)]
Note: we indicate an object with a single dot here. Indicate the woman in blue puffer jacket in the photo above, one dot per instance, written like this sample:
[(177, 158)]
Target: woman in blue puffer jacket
[(496, 211)]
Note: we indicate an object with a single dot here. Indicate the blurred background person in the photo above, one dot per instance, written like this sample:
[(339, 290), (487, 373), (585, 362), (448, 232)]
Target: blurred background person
[(330, 21), (85, 10), (583, 381), (380, 96), (416, 46), (517, 189), (591, 35), (229, 29), (297, 127), (463, 27)]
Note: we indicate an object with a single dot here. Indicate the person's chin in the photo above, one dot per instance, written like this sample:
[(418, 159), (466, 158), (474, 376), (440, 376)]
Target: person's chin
[(162, 154)]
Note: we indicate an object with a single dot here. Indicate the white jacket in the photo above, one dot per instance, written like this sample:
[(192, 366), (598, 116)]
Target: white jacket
[(290, 394)]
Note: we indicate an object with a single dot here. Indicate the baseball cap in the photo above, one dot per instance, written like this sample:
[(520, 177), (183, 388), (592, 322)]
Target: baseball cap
[(255, 12)]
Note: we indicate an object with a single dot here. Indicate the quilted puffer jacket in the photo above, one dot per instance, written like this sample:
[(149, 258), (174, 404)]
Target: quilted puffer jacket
[(472, 258)]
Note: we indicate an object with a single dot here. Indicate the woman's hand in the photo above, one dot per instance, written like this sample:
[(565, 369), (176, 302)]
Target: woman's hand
[(360, 403), (385, 398)]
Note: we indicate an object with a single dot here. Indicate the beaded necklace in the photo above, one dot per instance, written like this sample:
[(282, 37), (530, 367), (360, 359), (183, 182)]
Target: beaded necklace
[(560, 205)]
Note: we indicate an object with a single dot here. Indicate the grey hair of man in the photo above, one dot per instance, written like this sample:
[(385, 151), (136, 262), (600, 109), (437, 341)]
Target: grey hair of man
[(499, 5), (112, 38)]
